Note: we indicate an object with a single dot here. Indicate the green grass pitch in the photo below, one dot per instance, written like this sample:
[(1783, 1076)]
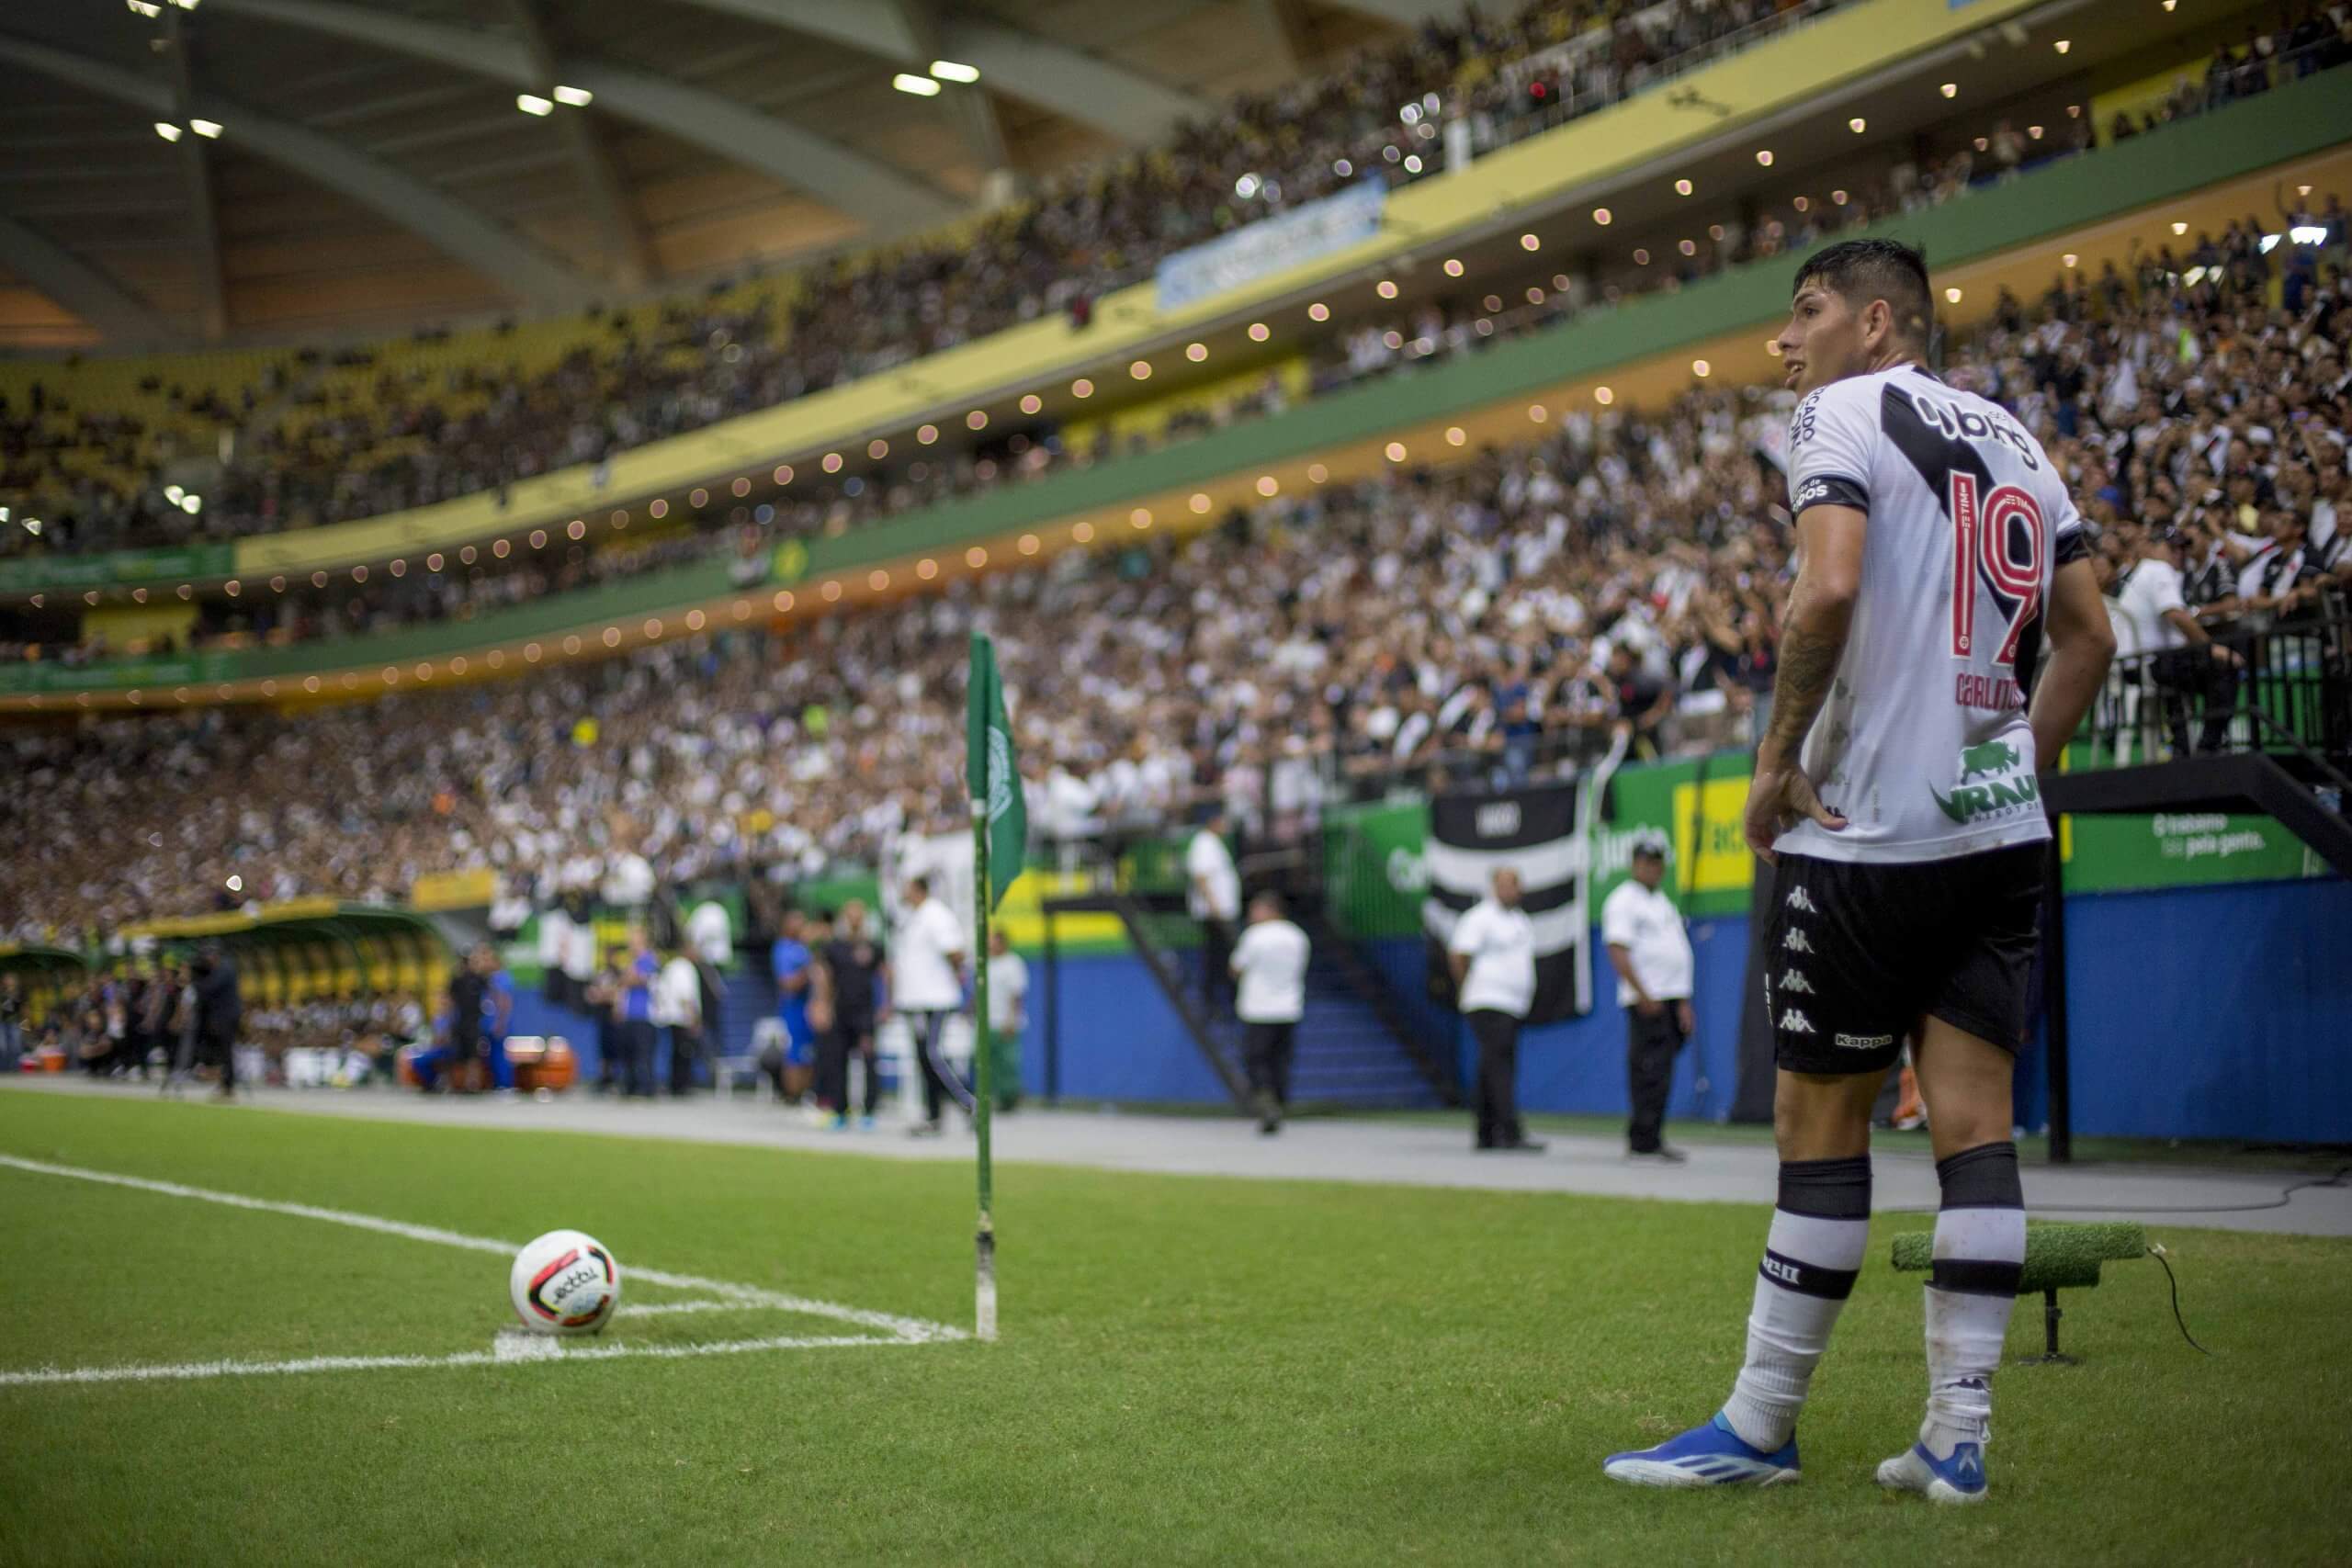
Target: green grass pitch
[(1193, 1370)]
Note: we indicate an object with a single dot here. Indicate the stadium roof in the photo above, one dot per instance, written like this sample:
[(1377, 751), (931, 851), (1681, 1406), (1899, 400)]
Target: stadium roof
[(182, 170)]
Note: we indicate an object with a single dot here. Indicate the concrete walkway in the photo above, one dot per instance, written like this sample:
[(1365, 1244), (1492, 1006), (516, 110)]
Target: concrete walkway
[(1325, 1149)]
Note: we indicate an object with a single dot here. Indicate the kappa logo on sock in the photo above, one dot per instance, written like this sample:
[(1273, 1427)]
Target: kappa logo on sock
[(1799, 900), (1796, 1022), (1794, 980), (1795, 943)]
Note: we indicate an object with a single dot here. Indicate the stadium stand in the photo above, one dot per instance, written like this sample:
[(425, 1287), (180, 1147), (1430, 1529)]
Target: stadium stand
[(1489, 618), (1433, 332), (330, 436)]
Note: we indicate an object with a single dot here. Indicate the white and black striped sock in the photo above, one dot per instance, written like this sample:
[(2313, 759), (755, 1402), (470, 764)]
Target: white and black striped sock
[(1972, 1289), (1811, 1258)]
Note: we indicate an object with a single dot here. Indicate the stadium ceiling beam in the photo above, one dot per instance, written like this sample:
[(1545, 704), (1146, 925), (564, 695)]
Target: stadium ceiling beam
[(1285, 29), (78, 286), (973, 111), (204, 216), (1093, 91), (633, 262), (516, 266), (865, 187), (1403, 12)]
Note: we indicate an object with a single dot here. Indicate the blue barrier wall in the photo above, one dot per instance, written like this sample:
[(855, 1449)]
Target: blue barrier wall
[(2209, 1012)]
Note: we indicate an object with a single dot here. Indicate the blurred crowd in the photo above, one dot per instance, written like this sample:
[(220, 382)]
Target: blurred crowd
[(1620, 574), (433, 435), (1445, 327)]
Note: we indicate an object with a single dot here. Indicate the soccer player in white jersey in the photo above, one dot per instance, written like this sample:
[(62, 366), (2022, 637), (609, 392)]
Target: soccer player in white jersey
[(1895, 795)]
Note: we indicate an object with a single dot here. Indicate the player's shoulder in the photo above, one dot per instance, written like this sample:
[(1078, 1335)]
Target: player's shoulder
[(1836, 403)]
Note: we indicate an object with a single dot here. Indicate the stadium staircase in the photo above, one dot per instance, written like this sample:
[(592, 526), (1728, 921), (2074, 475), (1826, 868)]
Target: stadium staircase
[(2289, 789), (1354, 1049)]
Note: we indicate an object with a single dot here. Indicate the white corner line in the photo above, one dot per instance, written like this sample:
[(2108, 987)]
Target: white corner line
[(184, 1371), (913, 1330)]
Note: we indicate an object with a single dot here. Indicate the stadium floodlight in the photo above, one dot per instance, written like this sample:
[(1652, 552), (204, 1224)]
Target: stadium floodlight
[(575, 97), (207, 129), (143, 8), (532, 103), (954, 71), (172, 493), (2308, 235), (168, 131), (191, 503), (920, 86), (187, 5)]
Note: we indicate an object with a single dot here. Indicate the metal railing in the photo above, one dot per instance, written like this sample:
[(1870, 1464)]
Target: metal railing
[(2285, 691)]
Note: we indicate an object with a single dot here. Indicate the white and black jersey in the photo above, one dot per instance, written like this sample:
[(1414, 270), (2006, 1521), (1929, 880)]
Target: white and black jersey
[(1922, 743)]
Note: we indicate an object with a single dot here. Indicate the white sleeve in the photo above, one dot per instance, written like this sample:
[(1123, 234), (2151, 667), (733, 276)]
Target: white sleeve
[(948, 929), (1469, 932), (1196, 857), (1246, 949), (1617, 918), (2164, 590), (1829, 448)]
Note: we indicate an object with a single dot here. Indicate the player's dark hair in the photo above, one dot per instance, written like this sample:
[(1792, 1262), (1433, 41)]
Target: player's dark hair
[(921, 882), (1858, 271)]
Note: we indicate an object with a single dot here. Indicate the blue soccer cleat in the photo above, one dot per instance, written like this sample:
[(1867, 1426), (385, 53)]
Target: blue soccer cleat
[(1710, 1455), (1960, 1479)]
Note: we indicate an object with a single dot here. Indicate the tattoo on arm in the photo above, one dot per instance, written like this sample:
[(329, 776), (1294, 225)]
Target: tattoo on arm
[(1810, 644)]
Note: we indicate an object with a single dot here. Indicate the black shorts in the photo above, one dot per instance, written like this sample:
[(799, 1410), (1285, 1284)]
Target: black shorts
[(1855, 954)]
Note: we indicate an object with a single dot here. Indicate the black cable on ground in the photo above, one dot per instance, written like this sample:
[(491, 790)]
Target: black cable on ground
[(2279, 1202), (2158, 1253)]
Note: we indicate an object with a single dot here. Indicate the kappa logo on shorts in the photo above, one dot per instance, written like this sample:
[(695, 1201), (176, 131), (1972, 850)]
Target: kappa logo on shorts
[(1796, 1022), (1795, 943), (1794, 980), (1799, 900), (1865, 1041)]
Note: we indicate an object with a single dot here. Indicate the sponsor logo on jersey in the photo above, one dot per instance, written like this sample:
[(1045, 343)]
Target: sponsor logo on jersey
[(2010, 785), (1794, 980), (1813, 493), (1801, 427), (1865, 1041), (1796, 1022), (1795, 943), (1800, 899)]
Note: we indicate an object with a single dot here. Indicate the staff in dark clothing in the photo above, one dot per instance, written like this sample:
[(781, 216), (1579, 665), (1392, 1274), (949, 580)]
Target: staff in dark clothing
[(853, 958), (218, 1012)]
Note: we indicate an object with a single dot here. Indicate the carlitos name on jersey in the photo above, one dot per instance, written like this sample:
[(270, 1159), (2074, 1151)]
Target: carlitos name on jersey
[(1995, 779)]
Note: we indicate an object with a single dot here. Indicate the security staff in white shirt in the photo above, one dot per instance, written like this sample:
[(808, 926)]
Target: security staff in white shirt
[(1269, 966), (677, 1007), (1651, 953), (2177, 656), (926, 987), (1213, 898), (1493, 958)]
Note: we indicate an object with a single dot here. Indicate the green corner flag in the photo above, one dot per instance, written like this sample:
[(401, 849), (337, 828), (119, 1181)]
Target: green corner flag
[(992, 773), (999, 839)]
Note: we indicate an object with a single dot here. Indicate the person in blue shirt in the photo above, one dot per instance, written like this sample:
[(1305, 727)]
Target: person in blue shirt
[(794, 967), (637, 1013)]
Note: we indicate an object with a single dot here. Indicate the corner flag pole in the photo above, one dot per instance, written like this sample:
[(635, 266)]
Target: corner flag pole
[(993, 778), (983, 1078)]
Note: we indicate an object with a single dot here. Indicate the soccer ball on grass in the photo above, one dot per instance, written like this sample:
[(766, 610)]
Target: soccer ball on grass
[(565, 1283)]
